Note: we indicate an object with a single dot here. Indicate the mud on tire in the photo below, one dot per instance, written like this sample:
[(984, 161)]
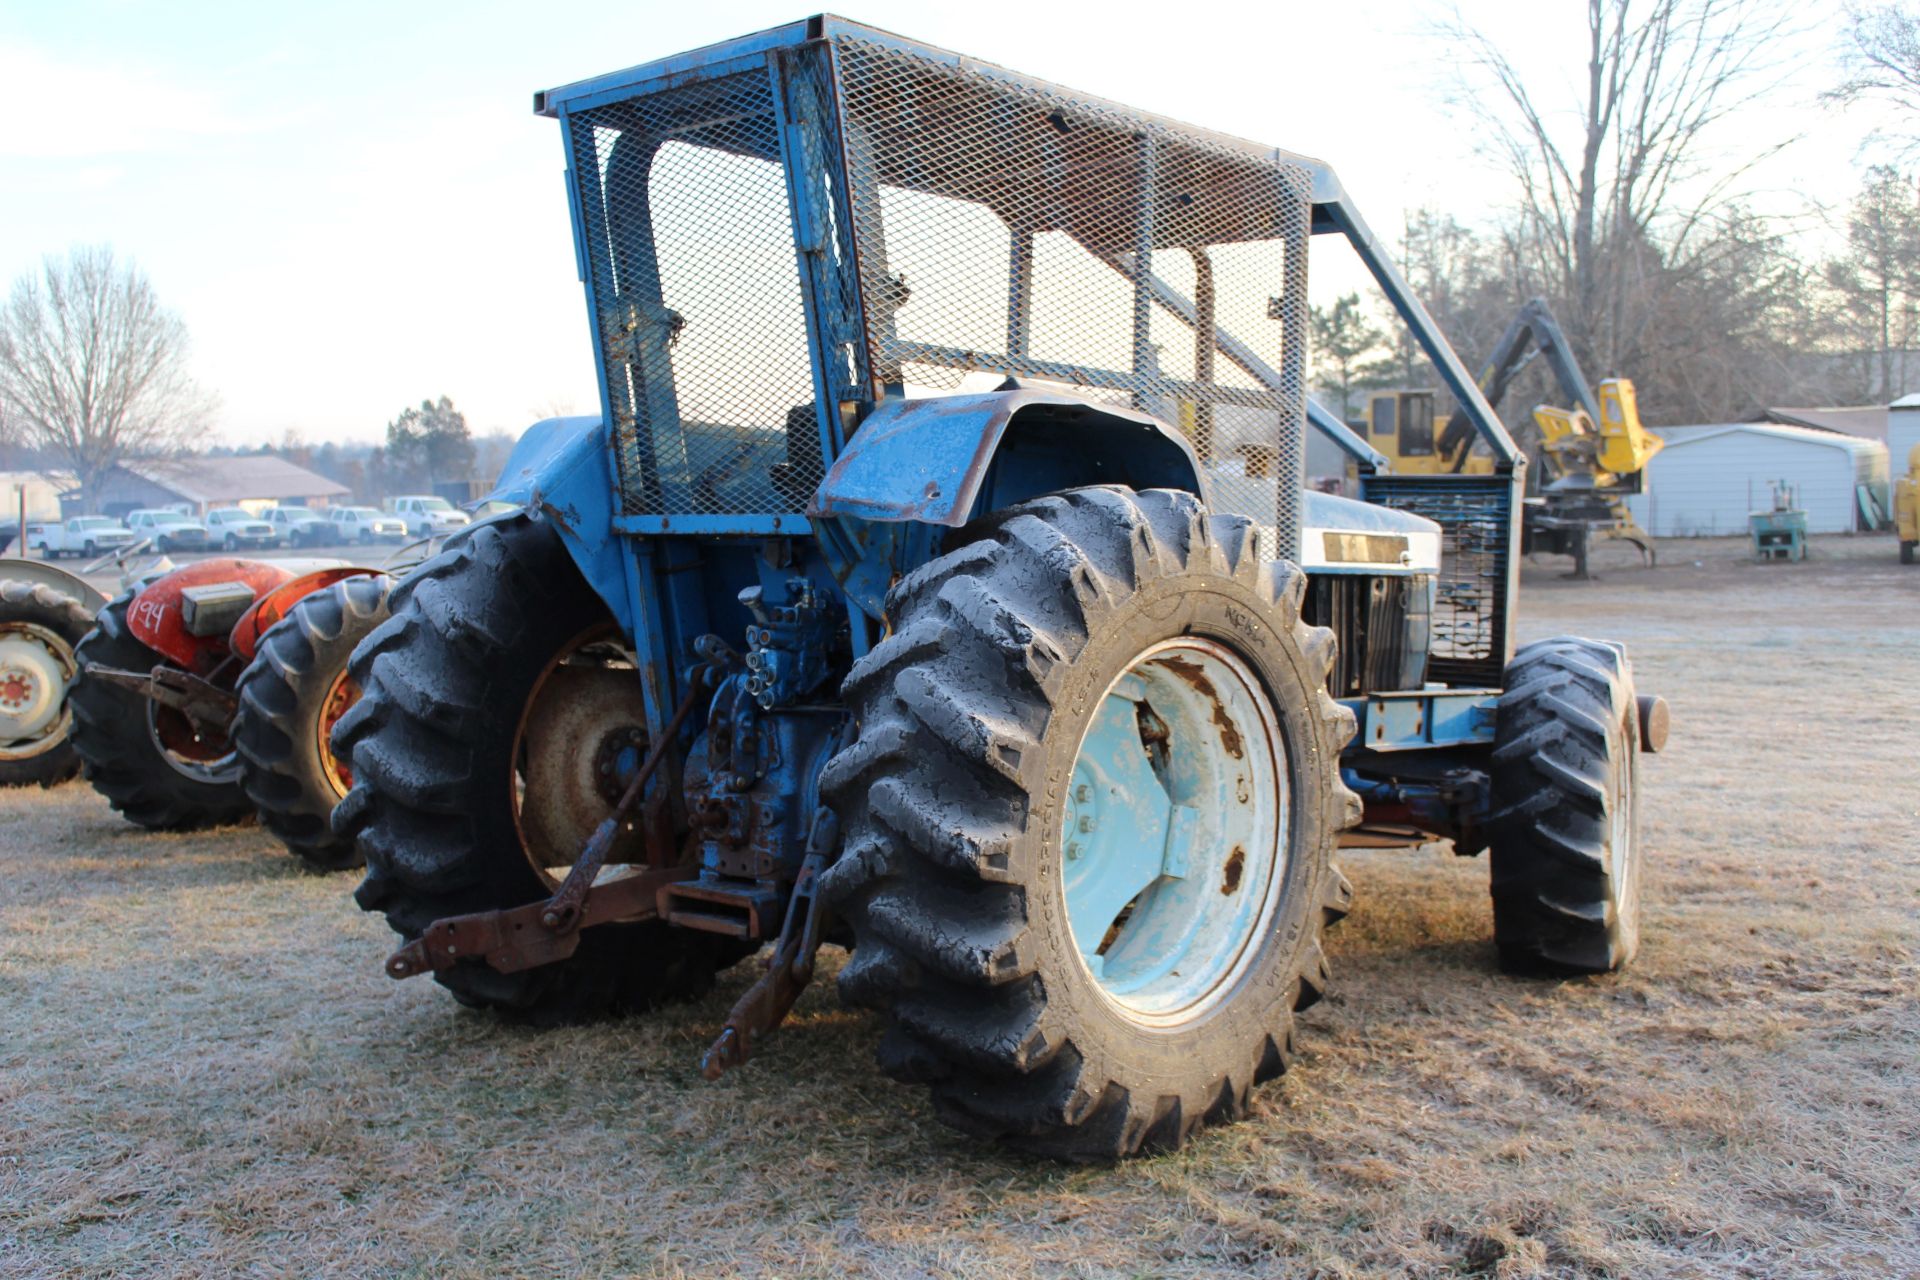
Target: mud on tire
[(431, 742), (287, 695), (971, 714), (49, 758), (1565, 829), (122, 755)]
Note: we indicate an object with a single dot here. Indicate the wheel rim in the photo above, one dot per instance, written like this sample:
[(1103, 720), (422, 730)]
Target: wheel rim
[(341, 695), (1622, 834), (1173, 840), (571, 761), (36, 666), (190, 752)]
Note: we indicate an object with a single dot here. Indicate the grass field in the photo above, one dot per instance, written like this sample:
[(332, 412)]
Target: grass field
[(203, 1071)]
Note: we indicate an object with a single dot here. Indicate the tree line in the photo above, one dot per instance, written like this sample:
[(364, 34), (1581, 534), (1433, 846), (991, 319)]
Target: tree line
[(1631, 215), (94, 371)]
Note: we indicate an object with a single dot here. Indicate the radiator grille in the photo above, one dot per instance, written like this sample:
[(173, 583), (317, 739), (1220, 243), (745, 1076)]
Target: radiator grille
[(1008, 227), (703, 334), (1470, 599), (1378, 623)]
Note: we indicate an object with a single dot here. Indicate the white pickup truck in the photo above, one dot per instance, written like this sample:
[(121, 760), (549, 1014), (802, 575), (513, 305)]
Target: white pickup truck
[(86, 536), (425, 514)]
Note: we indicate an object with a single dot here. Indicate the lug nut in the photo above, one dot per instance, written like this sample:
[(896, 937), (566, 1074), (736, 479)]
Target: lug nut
[(1086, 822), (1083, 793)]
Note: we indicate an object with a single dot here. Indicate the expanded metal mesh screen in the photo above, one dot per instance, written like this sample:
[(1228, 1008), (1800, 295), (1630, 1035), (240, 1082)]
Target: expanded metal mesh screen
[(1006, 227), (703, 332), (999, 226), (1470, 597)]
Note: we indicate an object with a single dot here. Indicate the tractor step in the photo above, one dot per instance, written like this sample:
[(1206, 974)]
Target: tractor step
[(735, 910)]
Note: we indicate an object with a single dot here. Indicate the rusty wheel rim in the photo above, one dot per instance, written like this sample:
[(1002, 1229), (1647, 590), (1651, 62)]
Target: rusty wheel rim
[(341, 695), (550, 859), (1173, 841), (192, 753)]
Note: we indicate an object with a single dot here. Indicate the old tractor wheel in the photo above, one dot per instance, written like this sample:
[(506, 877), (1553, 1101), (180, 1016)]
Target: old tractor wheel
[(1565, 829), (1089, 823), (291, 696), (497, 712), (151, 762), (39, 628)]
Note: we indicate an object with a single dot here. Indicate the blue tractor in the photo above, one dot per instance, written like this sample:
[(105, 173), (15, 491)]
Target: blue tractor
[(938, 580)]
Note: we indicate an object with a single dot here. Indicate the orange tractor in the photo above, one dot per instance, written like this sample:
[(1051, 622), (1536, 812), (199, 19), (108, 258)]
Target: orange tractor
[(208, 694)]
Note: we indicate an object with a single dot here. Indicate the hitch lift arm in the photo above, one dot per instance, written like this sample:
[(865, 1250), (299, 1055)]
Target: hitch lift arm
[(538, 933)]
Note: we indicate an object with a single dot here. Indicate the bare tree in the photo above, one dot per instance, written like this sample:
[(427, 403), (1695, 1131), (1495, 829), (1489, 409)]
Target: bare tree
[(1621, 195), (93, 370), (1881, 53), (1876, 283)]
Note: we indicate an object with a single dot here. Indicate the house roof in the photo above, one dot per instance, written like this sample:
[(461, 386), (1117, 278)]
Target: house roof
[(1868, 421), (1809, 435), (258, 477)]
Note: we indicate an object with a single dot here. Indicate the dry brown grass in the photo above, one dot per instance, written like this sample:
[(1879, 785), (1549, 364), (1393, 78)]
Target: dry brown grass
[(203, 1072)]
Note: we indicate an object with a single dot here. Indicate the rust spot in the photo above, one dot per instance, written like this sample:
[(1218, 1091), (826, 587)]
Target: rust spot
[(1236, 863), (1193, 675)]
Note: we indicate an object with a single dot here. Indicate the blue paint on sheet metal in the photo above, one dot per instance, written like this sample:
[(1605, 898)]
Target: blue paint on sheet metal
[(1118, 818), (927, 459), (560, 469), (1422, 719)]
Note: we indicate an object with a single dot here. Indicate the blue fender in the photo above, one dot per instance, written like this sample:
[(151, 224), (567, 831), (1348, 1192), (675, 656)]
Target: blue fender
[(947, 459), (562, 469)]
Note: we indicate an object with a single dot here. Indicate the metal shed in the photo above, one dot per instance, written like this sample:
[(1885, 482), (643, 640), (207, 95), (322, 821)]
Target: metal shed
[(1708, 479), (1903, 432)]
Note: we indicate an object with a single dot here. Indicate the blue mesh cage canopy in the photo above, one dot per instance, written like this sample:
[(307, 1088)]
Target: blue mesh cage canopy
[(825, 214)]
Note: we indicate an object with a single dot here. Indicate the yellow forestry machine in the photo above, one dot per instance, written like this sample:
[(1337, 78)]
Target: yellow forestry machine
[(1592, 455), (1906, 507)]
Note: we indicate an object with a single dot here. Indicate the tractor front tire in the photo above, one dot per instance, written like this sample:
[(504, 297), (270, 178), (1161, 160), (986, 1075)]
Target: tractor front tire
[(291, 695), (49, 626), (147, 761), (1564, 834), (446, 682), (1038, 1011)]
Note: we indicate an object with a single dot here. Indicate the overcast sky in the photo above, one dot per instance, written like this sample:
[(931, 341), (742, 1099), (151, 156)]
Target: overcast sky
[(353, 206)]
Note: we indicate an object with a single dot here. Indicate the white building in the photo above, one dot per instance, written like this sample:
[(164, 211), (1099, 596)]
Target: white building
[(1708, 480), (41, 489), (1903, 432)]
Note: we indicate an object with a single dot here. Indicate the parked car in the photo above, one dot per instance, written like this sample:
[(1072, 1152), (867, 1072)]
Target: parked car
[(236, 527), (301, 527), (364, 524), (425, 514), (169, 530), (85, 536)]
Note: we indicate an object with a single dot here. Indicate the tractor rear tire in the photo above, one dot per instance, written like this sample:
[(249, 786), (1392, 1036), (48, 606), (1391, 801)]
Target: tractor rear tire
[(1564, 833), (445, 682), (56, 623), (956, 807), (117, 733), (290, 696)]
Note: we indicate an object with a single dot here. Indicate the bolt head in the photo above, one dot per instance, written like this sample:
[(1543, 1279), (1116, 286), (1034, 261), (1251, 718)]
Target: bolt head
[(1086, 822), (1083, 793), (1073, 851)]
